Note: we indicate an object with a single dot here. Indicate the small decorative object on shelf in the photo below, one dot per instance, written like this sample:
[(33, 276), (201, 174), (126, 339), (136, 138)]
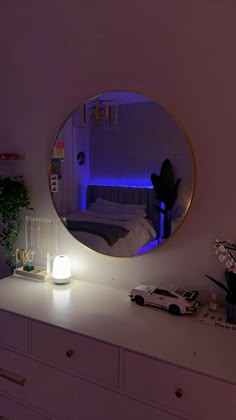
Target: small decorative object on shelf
[(54, 183), (225, 251), (177, 300), (61, 272), (25, 267), (38, 273), (24, 259), (212, 304), (9, 156)]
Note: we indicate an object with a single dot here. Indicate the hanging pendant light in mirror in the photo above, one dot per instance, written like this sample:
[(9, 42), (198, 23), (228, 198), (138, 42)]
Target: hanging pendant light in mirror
[(100, 112)]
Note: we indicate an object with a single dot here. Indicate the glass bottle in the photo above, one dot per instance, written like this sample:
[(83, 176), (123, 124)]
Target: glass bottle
[(212, 304)]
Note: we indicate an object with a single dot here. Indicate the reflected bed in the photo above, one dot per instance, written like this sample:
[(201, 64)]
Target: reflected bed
[(119, 221)]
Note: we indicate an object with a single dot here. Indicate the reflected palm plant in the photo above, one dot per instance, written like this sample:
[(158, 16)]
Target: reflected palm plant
[(166, 189)]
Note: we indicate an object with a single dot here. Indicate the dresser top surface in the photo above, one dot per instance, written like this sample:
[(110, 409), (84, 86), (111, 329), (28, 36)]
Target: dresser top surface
[(107, 314)]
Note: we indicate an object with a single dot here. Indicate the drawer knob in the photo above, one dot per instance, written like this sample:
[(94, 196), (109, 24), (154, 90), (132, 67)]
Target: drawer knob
[(179, 393), (69, 353)]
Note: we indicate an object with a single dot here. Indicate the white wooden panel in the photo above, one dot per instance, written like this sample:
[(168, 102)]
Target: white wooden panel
[(13, 331), (96, 403), (44, 387), (158, 382), (87, 357), (12, 410)]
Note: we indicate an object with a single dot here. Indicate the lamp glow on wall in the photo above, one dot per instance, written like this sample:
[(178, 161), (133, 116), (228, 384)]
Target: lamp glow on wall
[(61, 272)]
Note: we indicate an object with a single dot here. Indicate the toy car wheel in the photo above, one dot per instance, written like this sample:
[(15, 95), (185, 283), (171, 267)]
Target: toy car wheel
[(174, 309), (139, 300)]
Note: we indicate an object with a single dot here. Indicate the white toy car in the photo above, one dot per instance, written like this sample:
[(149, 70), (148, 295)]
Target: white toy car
[(176, 300)]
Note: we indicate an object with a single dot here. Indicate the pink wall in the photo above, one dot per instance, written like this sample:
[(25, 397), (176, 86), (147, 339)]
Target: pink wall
[(56, 54)]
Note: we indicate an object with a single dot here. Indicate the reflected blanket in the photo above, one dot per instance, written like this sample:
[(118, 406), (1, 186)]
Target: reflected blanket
[(110, 233)]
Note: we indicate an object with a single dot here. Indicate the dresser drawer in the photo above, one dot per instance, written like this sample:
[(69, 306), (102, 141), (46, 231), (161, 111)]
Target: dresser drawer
[(93, 402), (178, 389), (84, 356), (11, 410), (36, 384), (13, 331)]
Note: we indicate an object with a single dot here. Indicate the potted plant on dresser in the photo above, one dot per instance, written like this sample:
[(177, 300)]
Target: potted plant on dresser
[(14, 197), (226, 253)]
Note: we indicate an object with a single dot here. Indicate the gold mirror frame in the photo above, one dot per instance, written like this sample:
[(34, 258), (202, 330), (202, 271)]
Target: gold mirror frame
[(97, 112)]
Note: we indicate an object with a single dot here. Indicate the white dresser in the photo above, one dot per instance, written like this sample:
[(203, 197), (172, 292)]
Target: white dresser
[(85, 352)]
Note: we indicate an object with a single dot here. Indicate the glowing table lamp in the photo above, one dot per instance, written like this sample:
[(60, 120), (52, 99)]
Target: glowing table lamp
[(61, 272)]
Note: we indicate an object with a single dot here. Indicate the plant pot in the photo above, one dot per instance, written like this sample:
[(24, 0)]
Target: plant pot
[(165, 223), (230, 301), (230, 312), (230, 279)]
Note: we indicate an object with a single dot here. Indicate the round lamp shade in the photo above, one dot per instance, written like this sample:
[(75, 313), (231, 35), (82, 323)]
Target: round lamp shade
[(61, 272)]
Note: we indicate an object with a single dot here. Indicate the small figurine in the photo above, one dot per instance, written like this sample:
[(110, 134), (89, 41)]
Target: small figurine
[(9, 156), (176, 300)]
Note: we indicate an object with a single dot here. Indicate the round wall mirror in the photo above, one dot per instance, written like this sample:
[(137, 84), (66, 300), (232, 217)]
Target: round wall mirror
[(121, 174)]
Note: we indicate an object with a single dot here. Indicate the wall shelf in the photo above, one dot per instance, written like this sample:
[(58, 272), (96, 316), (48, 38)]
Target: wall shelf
[(13, 157)]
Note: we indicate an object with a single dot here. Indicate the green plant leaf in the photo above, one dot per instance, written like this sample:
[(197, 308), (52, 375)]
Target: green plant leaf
[(221, 285), (164, 185), (166, 174), (14, 197)]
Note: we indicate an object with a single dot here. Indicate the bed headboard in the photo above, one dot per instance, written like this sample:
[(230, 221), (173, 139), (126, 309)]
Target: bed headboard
[(125, 195)]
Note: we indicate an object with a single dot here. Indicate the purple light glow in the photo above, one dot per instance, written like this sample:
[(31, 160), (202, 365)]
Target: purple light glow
[(135, 183), (109, 182), (148, 247)]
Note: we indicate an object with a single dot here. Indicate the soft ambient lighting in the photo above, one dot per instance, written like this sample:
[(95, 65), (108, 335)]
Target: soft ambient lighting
[(61, 272), (61, 297)]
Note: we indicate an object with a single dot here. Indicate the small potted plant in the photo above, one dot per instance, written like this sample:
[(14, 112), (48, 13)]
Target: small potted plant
[(14, 197), (226, 253)]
